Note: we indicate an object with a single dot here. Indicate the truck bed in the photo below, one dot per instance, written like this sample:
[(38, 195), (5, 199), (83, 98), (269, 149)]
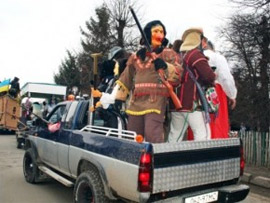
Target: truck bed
[(188, 164)]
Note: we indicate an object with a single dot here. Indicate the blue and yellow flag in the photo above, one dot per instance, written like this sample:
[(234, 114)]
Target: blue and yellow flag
[(4, 86)]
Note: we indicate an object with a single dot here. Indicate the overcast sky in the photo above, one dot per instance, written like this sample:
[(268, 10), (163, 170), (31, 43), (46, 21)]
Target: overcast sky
[(35, 34)]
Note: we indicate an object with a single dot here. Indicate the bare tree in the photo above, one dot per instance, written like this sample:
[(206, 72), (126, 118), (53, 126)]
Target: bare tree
[(248, 34), (112, 25), (123, 23), (257, 4)]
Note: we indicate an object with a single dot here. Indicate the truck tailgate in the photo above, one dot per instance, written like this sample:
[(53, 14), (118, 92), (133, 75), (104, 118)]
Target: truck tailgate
[(194, 163)]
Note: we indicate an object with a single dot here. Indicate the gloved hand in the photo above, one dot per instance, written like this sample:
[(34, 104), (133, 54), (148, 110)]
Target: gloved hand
[(96, 93), (160, 64), (159, 50), (142, 53)]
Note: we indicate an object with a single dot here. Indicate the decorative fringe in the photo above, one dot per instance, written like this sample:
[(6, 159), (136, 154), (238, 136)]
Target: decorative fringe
[(152, 92), (139, 94)]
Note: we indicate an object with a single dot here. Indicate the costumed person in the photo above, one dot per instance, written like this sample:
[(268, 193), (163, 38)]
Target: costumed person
[(106, 76), (107, 89), (176, 45), (192, 113), (14, 87), (225, 87), (140, 79), (108, 107)]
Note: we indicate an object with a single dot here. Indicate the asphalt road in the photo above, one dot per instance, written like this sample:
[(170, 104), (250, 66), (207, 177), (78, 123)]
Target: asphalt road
[(14, 189)]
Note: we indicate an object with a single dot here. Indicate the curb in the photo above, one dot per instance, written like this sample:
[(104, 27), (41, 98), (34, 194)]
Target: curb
[(256, 180), (246, 177)]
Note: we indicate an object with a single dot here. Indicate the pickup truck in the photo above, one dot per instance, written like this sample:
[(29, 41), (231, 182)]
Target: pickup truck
[(94, 153)]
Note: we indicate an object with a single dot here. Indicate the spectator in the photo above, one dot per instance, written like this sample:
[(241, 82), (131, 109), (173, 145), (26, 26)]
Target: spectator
[(27, 109), (51, 105), (44, 109)]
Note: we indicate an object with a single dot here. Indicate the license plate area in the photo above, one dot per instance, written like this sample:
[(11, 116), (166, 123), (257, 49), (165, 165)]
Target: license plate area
[(203, 198)]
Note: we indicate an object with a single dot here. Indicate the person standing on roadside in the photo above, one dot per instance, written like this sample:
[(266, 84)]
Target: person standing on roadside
[(44, 109)]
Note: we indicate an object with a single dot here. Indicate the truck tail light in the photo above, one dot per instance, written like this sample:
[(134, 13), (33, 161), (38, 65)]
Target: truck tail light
[(242, 160), (145, 173)]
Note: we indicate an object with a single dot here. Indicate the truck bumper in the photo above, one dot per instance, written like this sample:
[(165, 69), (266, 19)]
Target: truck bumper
[(226, 194), (233, 193)]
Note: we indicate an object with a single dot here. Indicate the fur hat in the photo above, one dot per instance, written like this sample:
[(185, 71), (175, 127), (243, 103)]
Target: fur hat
[(147, 31), (191, 39), (106, 68)]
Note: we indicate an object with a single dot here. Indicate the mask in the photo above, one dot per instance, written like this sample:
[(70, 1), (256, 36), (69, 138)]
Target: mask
[(157, 36)]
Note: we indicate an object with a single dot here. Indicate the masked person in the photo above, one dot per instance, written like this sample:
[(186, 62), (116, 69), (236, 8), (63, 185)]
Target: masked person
[(225, 87), (192, 112), (117, 59), (140, 79), (14, 87), (109, 109), (106, 76)]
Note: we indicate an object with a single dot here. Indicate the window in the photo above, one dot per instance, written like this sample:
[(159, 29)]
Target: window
[(82, 119), (57, 114), (70, 115)]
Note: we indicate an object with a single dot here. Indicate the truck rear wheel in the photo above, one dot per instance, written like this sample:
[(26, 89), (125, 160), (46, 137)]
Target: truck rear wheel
[(30, 168), (89, 188)]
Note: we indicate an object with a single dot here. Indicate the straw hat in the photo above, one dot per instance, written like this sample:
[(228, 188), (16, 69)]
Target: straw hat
[(191, 39)]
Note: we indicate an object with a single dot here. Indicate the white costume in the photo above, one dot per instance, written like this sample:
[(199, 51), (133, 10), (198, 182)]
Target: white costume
[(108, 98), (225, 87), (223, 72)]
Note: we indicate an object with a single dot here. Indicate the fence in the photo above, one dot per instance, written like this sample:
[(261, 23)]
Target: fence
[(256, 148)]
